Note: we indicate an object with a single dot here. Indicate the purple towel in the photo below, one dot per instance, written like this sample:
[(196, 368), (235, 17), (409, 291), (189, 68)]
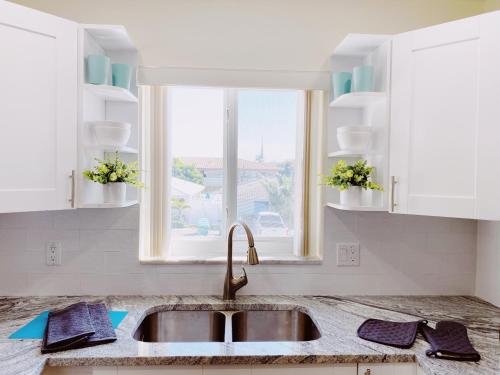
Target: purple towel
[(398, 334), (450, 341), (77, 326), (67, 327), (104, 331)]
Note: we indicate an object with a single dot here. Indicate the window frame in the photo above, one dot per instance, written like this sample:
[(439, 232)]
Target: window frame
[(155, 240)]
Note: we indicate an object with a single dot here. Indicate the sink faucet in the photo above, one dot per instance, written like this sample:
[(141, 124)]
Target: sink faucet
[(232, 284)]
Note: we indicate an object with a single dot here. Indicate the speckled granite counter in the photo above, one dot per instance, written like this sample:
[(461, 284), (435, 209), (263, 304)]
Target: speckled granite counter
[(337, 318)]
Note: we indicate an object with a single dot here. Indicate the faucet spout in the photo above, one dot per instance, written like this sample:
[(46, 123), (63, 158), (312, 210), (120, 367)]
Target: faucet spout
[(232, 284)]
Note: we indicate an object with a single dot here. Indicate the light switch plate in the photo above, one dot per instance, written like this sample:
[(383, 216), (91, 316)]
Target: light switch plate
[(348, 254), (53, 253)]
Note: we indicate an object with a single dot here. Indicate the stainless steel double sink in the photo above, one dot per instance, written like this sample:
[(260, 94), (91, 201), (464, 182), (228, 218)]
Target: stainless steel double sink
[(227, 326)]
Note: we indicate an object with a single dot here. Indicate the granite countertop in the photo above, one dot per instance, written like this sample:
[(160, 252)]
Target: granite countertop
[(337, 318)]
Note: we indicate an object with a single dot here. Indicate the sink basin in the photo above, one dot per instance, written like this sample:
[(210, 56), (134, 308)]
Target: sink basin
[(273, 325), (246, 325), (182, 326)]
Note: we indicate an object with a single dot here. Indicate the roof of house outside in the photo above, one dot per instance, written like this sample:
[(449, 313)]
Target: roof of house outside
[(216, 163), (182, 187)]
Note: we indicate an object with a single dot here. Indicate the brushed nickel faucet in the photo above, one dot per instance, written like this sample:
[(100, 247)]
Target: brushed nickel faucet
[(232, 284)]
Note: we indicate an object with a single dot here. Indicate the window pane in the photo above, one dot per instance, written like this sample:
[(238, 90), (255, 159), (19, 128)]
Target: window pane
[(196, 119), (268, 123)]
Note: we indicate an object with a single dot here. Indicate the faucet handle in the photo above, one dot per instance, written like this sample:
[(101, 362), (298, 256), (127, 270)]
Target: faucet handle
[(241, 281)]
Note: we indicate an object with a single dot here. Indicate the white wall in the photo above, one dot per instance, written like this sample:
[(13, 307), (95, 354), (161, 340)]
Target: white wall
[(488, 261), (255, 34), (399, 255)]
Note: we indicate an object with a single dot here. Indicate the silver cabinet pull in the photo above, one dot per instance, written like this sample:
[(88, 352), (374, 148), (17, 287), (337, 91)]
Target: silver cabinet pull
[(72, 198), (394, 181)]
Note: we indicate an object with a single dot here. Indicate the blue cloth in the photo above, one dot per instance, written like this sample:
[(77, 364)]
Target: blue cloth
[(36, 328)]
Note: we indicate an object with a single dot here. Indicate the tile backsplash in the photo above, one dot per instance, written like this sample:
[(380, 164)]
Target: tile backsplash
[(488, 261), (400, 254)]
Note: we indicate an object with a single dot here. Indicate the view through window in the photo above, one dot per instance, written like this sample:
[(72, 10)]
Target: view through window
[(265, 148)]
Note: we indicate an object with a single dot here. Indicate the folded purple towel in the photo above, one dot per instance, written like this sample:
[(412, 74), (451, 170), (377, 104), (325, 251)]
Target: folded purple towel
[(450, 341), (67, 327), (398, 334), (77, 326), (104, 331)]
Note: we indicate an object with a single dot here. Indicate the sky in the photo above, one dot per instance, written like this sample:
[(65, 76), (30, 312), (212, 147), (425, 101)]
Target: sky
[(197, 115)]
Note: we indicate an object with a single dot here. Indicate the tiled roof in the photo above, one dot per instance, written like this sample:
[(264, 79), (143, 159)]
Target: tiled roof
[(216, 163)]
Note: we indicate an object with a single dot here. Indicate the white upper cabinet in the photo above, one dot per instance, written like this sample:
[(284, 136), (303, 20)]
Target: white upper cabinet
[(38, 110), (488, 132), (445, 119)]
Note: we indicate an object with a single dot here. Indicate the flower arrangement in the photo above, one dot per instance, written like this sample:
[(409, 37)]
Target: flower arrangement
[(112, 170), (343, 176)]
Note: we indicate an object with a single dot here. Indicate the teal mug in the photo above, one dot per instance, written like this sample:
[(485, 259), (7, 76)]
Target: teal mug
[(341, 82), (97, 69), (121, 74), (362, 78)]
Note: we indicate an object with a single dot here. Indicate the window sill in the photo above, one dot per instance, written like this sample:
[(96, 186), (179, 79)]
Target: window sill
[(236, 260)]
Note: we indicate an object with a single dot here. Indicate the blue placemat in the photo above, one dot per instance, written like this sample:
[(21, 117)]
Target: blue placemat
[(36, 328)]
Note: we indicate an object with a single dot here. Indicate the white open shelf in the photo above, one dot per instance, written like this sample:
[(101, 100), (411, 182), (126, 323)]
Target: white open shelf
[(360, 44), (106, 103), (346, 153), (111, 37), (109, 149), (357, 99), (339, 206), (111, 93), (110, 205)]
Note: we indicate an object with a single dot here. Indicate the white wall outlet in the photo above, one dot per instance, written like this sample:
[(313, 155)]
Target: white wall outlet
[(348, 254), (53, 253)]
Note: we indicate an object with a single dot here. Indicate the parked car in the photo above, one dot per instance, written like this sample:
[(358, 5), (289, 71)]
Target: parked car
[(270, 224)]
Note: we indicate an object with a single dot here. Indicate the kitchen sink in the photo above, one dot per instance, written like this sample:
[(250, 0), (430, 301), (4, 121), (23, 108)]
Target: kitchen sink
[(182, 326), (273, 325), (227, 326)]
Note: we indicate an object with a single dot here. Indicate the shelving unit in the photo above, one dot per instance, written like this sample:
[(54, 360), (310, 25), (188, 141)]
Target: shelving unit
[(363, 108), (111, 93), (339, 206), (109, 205), (111, 149), (105, 102), (347, 154), (357, 99)]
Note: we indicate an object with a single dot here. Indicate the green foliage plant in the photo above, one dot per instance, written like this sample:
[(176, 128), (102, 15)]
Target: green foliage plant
[(343, 176), (111, 170), (187, 172)]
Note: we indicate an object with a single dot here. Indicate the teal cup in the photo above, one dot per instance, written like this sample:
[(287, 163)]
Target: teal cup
[(362, 78), (97, 69), (121, 74), (341, 82)]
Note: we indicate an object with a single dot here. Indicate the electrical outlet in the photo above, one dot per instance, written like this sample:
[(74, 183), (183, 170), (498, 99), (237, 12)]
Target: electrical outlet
[(53, 253), (348, 254)]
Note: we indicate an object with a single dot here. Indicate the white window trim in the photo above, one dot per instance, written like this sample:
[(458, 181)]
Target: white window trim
[(155, 161)]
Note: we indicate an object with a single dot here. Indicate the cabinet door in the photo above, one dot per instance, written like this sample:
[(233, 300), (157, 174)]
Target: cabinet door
[(38, 109), (434, 119), (387, 369), (488, 152)]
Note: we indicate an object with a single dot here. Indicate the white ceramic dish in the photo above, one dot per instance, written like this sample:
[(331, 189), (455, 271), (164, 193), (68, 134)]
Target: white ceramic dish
[(354, 138), (111, 133)]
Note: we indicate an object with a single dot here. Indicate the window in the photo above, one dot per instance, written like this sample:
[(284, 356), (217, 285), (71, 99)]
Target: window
[(220, 155)]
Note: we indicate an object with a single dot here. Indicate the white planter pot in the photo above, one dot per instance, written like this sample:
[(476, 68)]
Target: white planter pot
[(351, 196), (115, 192)]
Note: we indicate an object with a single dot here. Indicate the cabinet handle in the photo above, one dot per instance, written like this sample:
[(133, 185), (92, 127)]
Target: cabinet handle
[(72, 198), (394, 181)]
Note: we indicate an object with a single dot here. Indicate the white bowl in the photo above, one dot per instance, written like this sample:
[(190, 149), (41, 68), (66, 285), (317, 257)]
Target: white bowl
[(111, 133), (354, 138)]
